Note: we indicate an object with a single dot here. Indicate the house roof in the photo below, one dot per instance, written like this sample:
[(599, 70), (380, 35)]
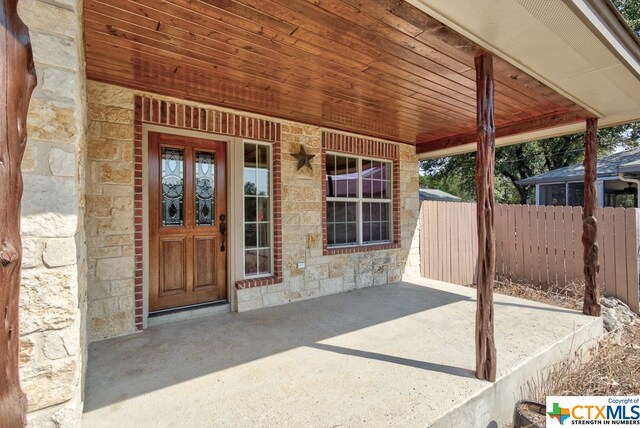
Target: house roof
[(437, 195), (402, 71), (625, 162), (581, 48)]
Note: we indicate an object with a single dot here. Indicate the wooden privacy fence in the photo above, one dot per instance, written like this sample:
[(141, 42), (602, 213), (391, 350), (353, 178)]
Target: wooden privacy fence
[(534, 244)]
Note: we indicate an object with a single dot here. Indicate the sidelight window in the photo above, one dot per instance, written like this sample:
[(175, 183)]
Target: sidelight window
[(258, 248)]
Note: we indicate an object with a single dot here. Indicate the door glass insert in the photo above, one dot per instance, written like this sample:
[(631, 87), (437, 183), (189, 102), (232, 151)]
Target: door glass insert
[(172, 187), (205, 188)]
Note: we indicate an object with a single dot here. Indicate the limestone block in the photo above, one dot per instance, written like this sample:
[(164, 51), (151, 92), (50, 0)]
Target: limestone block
[(115, 226), (330, 286), (274, 299), (119, 240), (109, 95), (312, 285), (53, 50), (27, 348), (59, 252), (250, 305), (337, 267), (48, 299), (111, 326), (111, 173), (349, 274), (50, 384), (249, 294), (365, 265), (364, 280), (104, 252), (98, 290), (54, 348), (106, 113), (43, 16), (123, 287), (117, 190), (115, 268), (51, 121), (117, 131), (30, 158), (102, 149), (316, 272), (394, 275), (296, 283), (32, 249), (380, 278), (98, 205), (62, 164), (122, 207), (126, 302), (60, 84)]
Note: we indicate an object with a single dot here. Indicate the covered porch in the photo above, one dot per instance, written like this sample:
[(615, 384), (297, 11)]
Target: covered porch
[(395, 355)]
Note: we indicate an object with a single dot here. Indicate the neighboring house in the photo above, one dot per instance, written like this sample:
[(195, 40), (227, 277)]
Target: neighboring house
[(617, 182), (162, 171), (437, 195)]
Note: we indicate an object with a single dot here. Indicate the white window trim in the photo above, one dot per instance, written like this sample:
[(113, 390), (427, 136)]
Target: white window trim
[(271, 221), (359, 200)]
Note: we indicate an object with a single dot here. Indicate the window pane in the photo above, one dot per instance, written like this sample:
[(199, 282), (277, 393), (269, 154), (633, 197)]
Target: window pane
[(576, 194), (376, 227), (172, 187), (262, 181), (250, 186), (264, 261), (264, 230), (352, 233), (205, 164), (351, 211), (249, 208), (251, 262), (342, 177), (341, 233), (264, 209), (250, 236), (367, 188), (340, 212)]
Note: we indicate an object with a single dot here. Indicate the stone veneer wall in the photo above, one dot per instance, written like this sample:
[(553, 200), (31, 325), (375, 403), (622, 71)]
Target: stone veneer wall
[(111, 231), (53, 300)]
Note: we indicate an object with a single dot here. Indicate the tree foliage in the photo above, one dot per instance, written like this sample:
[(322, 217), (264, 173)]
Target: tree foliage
[(456, 174)]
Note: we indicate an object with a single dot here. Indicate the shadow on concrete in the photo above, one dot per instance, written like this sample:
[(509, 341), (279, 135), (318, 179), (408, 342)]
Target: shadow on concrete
[(424, 365), (129, 366)]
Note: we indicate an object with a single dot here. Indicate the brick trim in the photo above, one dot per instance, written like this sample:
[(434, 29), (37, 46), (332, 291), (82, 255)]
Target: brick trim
[(348, 144), (148, 109)]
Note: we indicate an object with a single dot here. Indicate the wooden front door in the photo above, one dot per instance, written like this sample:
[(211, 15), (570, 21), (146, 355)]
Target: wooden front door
[(187, 209)]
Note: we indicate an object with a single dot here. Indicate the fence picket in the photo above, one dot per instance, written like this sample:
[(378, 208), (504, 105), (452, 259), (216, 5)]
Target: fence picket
[(620, 245), (631, 232), (568, 236), (609, 250)]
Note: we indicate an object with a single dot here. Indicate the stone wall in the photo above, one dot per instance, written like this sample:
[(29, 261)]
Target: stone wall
[(302, 232), (109, 216), (53, 347), (111, 234)]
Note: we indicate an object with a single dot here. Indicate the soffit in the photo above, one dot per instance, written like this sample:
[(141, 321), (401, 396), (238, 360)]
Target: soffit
[(379, 67)]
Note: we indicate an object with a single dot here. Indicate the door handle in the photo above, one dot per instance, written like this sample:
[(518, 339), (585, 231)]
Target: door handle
[(223, 230)]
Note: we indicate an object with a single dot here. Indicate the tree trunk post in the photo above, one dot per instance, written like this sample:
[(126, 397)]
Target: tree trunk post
[(18, 79), (486, 265), (591, 304)]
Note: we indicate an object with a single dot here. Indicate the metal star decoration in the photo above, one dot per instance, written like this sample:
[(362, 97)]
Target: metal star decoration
[(304, 158)]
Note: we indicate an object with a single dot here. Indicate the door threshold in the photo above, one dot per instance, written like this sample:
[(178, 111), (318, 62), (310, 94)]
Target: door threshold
[(182, 313)]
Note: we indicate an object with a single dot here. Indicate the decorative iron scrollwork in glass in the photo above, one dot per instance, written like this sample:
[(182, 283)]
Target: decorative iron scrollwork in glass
[(205, 188), (172, 187)]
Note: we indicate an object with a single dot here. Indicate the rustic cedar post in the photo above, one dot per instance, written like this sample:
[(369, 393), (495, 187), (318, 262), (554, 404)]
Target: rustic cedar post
[(486, 266), (18, 79), (591, 304)]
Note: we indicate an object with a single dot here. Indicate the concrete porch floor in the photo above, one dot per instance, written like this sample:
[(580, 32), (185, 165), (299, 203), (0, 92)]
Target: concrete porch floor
[(394, 355)]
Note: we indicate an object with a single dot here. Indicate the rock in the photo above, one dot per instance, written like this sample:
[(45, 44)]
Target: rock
[(616, 314), (115, 268), (50, 384), (62, 164), (59, 252), (608, 302)]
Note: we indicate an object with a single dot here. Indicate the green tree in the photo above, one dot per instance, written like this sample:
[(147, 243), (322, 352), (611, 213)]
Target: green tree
[(456, 174)]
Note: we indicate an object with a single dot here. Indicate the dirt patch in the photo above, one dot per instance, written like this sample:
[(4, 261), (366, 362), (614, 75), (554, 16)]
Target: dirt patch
[(611, 368)]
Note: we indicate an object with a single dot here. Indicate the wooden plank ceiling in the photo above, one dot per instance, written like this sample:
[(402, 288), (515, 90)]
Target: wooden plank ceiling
[(375, 67)]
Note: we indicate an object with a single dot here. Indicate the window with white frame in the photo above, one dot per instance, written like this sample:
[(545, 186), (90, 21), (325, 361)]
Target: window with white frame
[(258, 249), (358, 200)]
